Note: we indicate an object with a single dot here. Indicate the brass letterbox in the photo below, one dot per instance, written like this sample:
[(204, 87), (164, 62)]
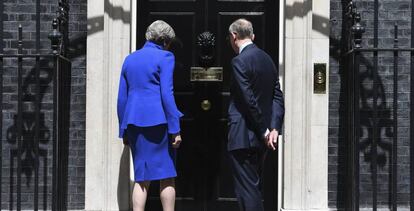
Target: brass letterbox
[(206, 74)]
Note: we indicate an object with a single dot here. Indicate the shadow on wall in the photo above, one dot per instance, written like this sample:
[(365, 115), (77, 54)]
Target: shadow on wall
[(29, 161), (124, 183), (338, 49)]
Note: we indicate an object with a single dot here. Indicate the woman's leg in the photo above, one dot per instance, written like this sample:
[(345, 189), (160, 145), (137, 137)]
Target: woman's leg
[(167, 194), (139, 195)]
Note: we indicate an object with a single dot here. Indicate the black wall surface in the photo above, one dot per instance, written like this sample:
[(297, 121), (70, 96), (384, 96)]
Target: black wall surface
[(24, 12), (390, 12)]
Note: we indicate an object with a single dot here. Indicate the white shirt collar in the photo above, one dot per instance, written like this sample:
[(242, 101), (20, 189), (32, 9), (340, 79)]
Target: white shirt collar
[(244, 45)]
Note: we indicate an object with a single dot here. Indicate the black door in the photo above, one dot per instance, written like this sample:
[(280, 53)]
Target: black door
[(204, 179)]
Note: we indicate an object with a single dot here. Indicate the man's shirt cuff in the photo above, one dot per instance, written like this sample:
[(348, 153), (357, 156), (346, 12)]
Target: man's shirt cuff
[(267, 133)]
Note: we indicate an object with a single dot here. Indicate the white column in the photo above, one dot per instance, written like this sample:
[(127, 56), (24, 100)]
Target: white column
[(107, 161), (305, 144)]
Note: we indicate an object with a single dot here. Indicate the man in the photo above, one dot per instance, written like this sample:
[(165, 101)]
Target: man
[(256, 113)]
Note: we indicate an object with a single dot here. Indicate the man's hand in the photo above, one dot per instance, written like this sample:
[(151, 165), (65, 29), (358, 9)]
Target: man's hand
[(125, 140), (176, 138), (271, 139)]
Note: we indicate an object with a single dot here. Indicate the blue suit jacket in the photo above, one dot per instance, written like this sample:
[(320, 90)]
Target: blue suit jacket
[(256, 102), (146, 96)]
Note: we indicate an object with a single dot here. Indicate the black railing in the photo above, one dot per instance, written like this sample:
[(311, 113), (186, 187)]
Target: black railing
[(29, 130), (370, 114)]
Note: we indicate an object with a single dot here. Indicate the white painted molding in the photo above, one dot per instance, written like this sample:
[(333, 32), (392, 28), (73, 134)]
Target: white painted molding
[(297, 92), (303, 151), (134, 19), (107, 161), (282, 84), (305, 145)]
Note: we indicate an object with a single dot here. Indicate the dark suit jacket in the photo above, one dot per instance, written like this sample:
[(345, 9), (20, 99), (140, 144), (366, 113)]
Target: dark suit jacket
[(256, 102)]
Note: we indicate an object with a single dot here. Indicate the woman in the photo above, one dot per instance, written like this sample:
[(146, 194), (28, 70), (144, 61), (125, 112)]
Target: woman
[(148, 116)]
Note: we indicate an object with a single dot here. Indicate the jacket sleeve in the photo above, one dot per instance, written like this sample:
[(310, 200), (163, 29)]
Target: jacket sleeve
[(167, 93), (244, 86), (122, 99), (278, 107)]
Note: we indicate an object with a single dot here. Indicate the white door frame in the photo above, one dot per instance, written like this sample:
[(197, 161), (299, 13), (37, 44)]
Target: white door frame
[(134, 12), (282, 82), (302, 151), (281, 73), (304, 148)]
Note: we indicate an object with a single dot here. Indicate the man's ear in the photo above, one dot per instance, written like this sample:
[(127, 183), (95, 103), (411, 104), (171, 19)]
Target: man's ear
[(234, 36), (253, 37)]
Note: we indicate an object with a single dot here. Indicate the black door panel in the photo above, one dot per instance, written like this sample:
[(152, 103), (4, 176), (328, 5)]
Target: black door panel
[(204, 179)]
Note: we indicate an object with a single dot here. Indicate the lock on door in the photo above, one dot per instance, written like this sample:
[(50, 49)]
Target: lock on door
[(205, 105)]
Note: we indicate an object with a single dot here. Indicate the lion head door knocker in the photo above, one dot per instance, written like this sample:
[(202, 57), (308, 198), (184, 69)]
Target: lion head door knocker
[(206, 43)]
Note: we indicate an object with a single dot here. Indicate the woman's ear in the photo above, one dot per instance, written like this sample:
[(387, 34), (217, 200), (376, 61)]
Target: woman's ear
[(167, 45)]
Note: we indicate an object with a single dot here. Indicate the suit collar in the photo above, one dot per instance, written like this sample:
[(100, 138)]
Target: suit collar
[(249, 46), (244, 45), (150, 44)]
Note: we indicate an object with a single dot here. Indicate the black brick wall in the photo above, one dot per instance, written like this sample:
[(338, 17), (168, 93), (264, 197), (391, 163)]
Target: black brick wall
[(390, 12), (24, 12)]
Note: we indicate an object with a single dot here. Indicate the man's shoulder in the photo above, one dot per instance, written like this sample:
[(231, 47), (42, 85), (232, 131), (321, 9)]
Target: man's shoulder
[(246, 54), (251, 51), (250, 54), (237, 59), (260, 53)]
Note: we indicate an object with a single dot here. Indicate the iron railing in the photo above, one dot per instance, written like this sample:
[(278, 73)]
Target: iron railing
[(370, 119), (28, 130)]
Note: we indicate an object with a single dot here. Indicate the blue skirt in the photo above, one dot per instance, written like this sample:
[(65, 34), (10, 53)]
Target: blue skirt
[(152, 154)]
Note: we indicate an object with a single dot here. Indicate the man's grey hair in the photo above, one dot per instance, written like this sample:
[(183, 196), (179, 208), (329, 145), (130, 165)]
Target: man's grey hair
[(242, 28), (160, 32)]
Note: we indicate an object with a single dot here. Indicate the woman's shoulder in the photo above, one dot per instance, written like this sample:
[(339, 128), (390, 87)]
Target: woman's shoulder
[(152, 52), (163, 56), (165, 53), (149, 56)]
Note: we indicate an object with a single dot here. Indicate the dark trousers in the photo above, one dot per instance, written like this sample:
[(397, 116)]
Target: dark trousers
[(246, 165)]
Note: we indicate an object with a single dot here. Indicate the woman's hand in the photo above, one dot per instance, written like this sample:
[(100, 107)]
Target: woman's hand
[(176, 138)]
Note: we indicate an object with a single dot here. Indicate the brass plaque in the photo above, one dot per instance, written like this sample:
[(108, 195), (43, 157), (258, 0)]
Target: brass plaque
[(206, 74), (319, 78)]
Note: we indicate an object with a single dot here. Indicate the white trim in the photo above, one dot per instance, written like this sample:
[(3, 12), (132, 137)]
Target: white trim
[(305, 146), (134, 18), (106, 49), (281, 65), (282, 83), (106, 159)]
